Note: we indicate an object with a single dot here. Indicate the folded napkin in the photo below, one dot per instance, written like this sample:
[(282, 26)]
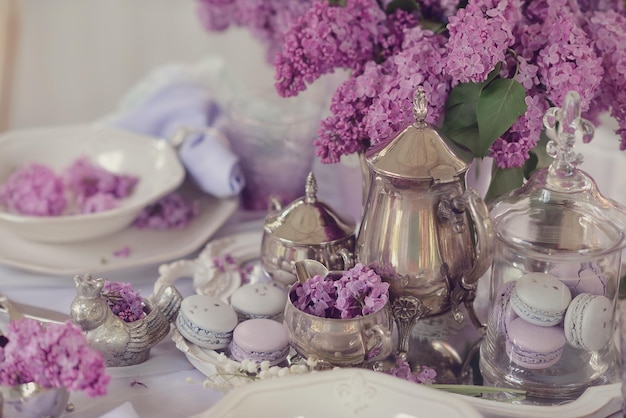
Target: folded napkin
[(125, 410), (172, 103)]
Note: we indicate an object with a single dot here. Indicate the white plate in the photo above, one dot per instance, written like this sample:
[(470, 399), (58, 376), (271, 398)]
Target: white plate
[(339, 393), (97, 255)]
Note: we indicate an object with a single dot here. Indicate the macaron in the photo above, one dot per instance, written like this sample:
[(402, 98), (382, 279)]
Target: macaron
[(503, 314), (588, 322), (540, 299), (260, 340), (259, 300), (582, 278), (532, 346), (206, 321)]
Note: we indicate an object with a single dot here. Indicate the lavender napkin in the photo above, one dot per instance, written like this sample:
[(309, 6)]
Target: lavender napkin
[(171, 104)]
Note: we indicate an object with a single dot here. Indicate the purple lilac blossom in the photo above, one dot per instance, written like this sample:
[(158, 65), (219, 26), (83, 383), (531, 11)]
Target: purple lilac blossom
[(123, 252), (479, 37), (170, 212), (403, 370), (549, 46), (381, 97), (607, 30), (266, 20), (34, 190), (95, 188), (328, 37), (357, 292), (51, 355), (123, 300), (567, 61)]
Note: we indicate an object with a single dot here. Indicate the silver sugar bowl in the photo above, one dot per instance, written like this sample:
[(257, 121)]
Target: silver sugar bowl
[(306, 229)]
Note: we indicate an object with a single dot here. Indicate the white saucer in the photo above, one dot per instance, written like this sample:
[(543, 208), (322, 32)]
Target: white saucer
[(97, 256)]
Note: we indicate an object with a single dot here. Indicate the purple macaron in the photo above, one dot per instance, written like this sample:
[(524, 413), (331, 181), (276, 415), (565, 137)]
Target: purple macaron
[(503, 314), (582, 278), (534, 347), (260, 340)]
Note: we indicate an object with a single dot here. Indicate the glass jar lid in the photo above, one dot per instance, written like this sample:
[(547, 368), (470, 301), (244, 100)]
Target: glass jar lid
[(560, 210), (308, 220)]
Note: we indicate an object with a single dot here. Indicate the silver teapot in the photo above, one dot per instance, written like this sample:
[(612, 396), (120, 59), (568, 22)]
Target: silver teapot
[(422, 231)]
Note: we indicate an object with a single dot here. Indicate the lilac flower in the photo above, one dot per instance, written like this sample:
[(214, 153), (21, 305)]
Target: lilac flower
[(479, 37), (123, 252), (549, 46), (267, 21), (123, 300), (34, 190), (328, 37), (95, 188), (357, 292), (51, 355), (170, 212), (403, 370)]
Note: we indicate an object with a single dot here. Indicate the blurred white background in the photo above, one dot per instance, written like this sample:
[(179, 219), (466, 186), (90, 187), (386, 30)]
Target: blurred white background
[(75, 59)]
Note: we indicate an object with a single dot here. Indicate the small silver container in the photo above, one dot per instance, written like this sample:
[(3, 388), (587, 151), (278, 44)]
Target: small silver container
[(306, 229)]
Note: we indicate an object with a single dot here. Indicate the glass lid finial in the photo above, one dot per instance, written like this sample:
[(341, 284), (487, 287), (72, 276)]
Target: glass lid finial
[(564, 126)]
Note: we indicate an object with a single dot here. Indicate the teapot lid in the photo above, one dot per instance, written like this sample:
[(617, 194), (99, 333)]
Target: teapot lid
[(560, 209), (420, 151), (308, 220)]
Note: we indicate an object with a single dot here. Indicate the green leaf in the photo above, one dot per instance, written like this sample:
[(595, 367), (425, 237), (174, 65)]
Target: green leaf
[(503, 181), (530, 165), (543, 159), (432, 25), (406, 5), (461, 106), (466, 136), (500, 104)]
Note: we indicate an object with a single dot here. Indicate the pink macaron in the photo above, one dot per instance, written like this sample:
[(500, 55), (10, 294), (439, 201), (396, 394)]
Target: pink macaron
[(532, 346), (260, 340)]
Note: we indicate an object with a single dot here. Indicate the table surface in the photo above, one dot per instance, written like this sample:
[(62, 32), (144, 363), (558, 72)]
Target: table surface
[(167, 385)]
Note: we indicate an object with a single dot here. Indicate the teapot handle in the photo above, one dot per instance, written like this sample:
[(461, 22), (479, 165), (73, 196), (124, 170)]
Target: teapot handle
[(465, 291), (484, 244)]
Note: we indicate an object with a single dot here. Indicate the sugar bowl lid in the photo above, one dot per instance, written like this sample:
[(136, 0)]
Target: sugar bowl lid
[(560, 210), (420, 151), (308, 220)]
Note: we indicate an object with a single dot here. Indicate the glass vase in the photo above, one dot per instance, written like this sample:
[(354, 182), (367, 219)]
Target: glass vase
[(273, 138)]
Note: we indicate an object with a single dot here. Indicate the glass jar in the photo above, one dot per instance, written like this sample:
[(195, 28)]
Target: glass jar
[(555, 275)]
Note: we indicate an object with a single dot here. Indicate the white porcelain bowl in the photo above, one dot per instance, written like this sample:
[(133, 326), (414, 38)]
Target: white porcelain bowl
[(153, 161)]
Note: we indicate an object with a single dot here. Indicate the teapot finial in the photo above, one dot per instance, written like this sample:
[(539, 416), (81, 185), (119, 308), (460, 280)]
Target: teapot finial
[(420, 107), (310, 189)]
